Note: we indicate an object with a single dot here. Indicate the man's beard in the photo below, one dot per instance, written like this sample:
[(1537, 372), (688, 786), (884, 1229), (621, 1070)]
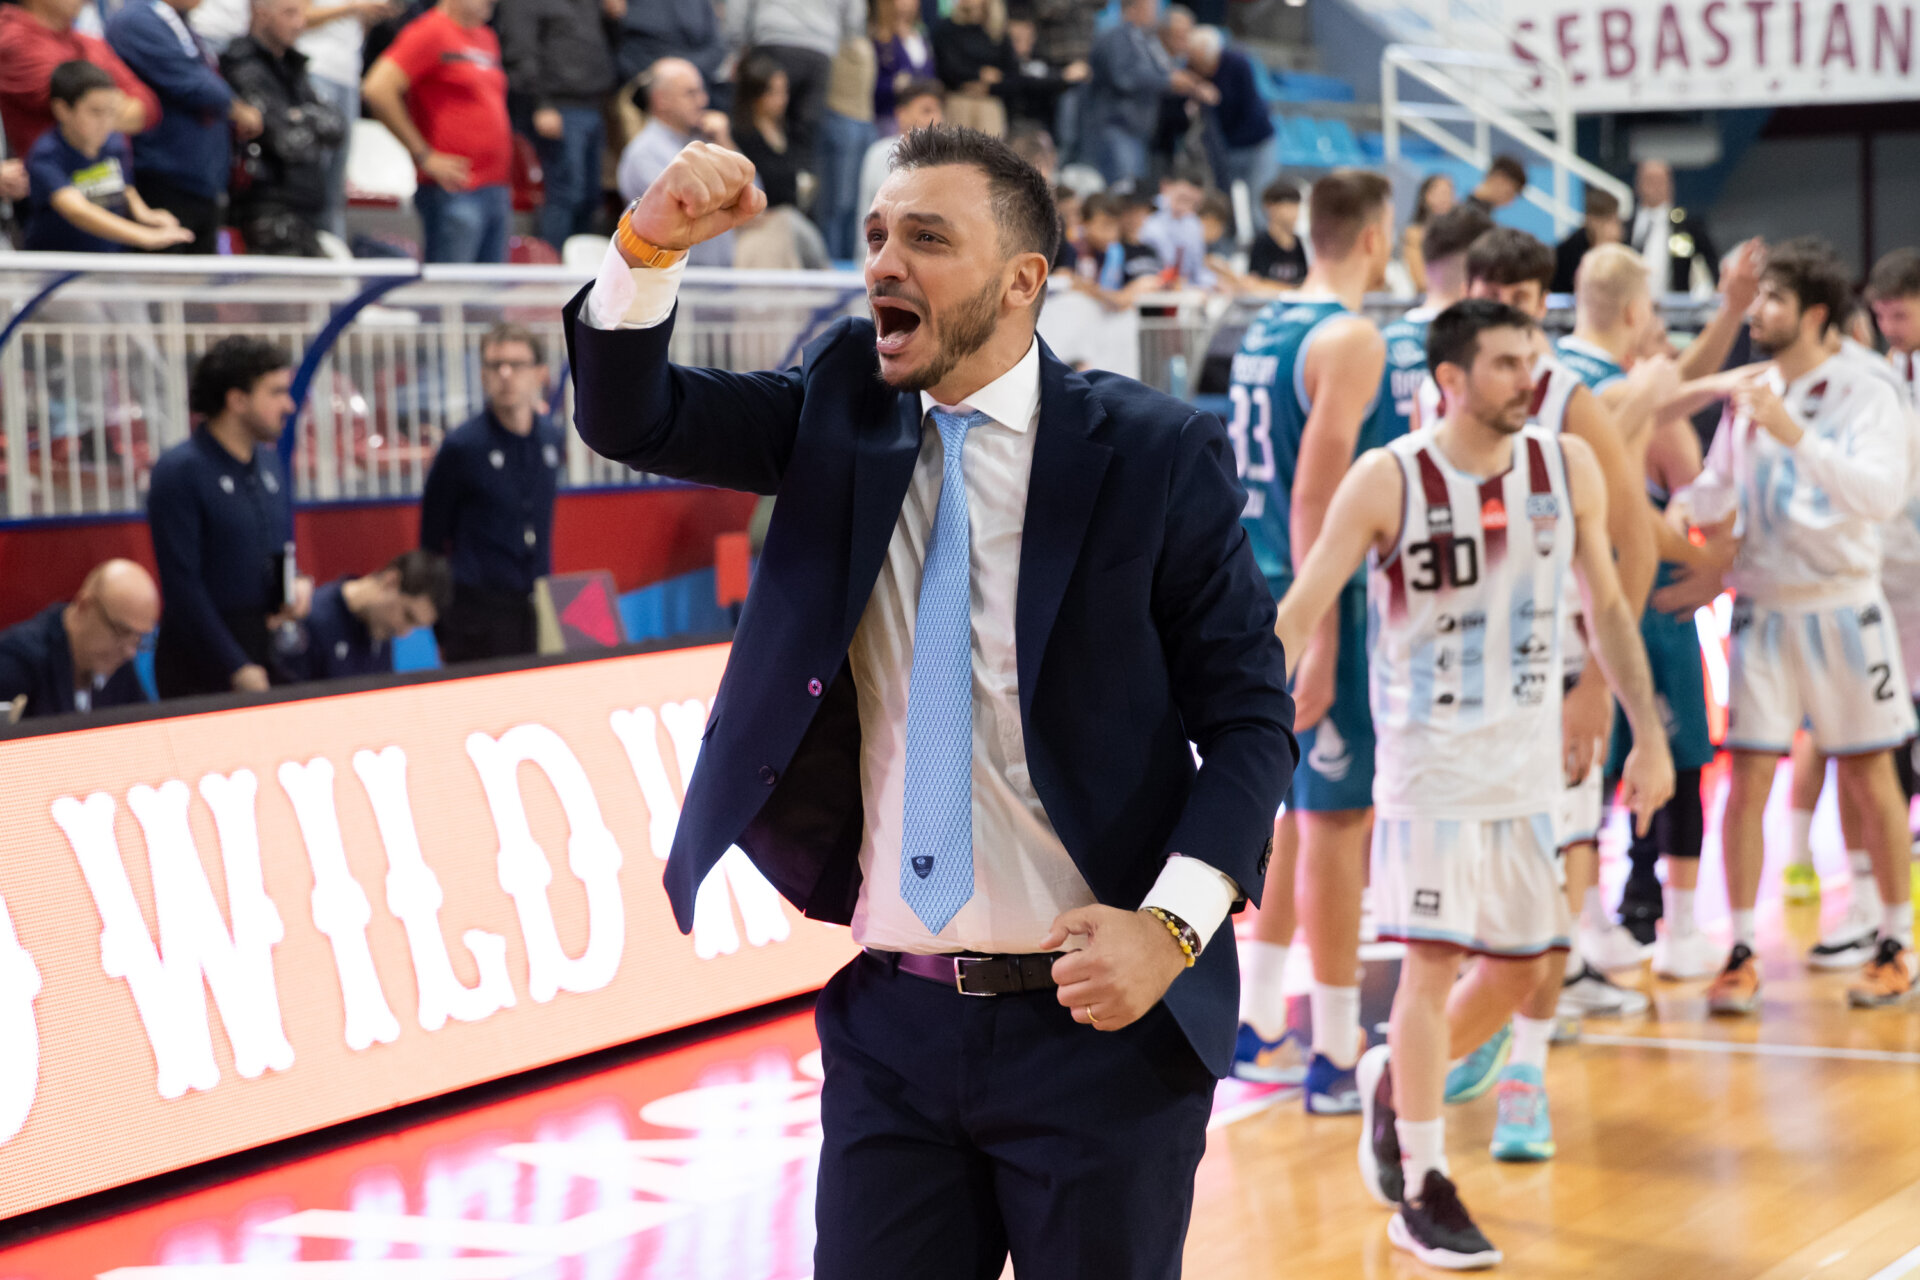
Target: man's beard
[(1768, 345), (972, 323)]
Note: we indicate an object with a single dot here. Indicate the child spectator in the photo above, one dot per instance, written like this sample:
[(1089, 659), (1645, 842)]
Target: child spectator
[(1278, 255), (1113, 268), (81, 174)]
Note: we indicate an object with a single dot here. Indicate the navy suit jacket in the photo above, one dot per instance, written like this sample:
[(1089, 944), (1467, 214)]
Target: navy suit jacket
[(36, 659), (1142, 623)]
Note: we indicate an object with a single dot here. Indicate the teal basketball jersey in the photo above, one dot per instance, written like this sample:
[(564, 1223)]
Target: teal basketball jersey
[(1406, 365), (1589, 363)]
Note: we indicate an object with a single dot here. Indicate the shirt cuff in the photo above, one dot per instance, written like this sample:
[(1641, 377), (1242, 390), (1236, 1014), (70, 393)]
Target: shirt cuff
[(1197, 893), (627, 297)]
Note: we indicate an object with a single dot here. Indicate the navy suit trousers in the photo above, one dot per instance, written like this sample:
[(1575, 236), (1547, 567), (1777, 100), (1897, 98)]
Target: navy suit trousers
[(959, 1128)]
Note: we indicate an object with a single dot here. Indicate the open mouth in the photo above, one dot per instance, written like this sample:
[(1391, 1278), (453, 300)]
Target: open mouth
[(895, 322)]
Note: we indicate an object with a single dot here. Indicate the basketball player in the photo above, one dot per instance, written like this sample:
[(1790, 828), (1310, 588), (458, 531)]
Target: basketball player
[(1308, 396), (1513, 267), (1893, 291), (1445, 245), (1813, 456), (1468, 531)]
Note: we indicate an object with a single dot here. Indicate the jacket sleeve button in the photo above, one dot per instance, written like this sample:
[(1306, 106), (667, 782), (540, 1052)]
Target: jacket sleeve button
[(813, 687), (768, 775)]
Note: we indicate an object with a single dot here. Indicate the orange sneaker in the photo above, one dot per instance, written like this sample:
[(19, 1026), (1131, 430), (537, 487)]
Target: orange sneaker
[(1887, 979), (1737, 988)]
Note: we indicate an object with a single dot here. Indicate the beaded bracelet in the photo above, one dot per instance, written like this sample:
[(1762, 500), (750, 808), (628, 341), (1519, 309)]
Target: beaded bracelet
[(1182, 932)]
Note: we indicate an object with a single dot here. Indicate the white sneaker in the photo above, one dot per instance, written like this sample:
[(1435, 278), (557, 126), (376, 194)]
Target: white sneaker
[(1686, 957), (1851, 942), (1612, 949), (1591, 994)]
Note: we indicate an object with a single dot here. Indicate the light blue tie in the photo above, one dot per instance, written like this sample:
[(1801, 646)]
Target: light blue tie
[(936, 846)]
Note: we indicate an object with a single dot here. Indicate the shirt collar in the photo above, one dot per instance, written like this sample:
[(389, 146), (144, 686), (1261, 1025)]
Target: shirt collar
[(1010, 399)]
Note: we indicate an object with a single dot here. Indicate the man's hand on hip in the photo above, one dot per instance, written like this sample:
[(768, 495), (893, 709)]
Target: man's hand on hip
[(1126, 965), (705, 192)]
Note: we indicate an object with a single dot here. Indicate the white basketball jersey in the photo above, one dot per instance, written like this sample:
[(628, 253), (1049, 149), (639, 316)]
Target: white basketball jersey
[(1464, 636), (1900, 545)]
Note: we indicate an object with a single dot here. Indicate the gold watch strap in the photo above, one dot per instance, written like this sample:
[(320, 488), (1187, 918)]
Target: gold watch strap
[(641, 252)]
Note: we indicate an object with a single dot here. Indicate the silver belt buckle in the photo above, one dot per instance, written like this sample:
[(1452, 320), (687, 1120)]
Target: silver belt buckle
[(960, 979)]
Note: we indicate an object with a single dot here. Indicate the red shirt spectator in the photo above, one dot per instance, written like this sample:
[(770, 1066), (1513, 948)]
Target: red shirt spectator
[(457, 92), (38, 36)]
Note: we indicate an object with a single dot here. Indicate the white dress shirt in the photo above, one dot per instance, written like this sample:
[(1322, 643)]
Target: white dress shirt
[(1023, 876)]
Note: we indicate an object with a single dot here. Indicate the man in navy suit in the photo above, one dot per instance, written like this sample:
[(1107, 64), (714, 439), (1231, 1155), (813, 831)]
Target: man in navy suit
[(998, 599)]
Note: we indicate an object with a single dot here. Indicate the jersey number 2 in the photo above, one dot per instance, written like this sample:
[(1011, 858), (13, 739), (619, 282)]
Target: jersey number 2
[(1458, 567), (1252, 418)]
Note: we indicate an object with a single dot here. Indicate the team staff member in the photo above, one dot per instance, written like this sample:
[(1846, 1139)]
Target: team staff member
[(221, 519), (354, 622), (79, 656), (488, 503), (959, 721)]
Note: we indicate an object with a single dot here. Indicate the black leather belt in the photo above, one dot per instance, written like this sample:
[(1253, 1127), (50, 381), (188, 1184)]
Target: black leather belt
[(978, 975)]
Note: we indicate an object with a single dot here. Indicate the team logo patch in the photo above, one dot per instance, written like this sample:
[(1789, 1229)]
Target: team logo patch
[(498, 459), (226, 484), (1426, 902), (1544, 510), (550, 455), (1493, 514), (1439, 519), (1870, 616), (1330, 756), (922, 865), (268, 479)]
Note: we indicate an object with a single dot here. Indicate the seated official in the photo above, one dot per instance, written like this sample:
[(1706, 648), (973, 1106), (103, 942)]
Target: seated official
[(354, 622), (488, 504), (79, 656)]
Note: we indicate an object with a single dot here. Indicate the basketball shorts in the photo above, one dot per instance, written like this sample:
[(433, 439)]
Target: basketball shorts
[(1906, 620), (1490, 886), (1336, 756), (1837, 667), (1679, 691)]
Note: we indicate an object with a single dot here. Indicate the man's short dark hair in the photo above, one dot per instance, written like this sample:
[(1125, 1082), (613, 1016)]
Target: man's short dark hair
[(507, 331), (1897, 275), (231, 364), (1340, 207), (1280, 191), (1101, 204), (1215, 204), (1454, 336), (74, 80), (1602, 204), (1506, 256), (425, 574), (1452, 233), (1510, 168), (913, 89), (1022, 201), (1809, 269)]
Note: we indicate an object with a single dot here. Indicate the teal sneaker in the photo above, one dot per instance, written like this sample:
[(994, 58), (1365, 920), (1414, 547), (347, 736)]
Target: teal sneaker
[(1479, 1069), (1524, 1130)]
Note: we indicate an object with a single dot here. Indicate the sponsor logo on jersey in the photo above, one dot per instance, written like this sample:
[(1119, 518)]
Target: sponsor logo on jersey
[(1530, 688), (1544, 510), (1426, 902), (1532, 650), (1446, 624), (1330, 757), (1742, 617), (1870, 616), (1493, 514), (1439, 519), (1410, 356), (1443, 660)]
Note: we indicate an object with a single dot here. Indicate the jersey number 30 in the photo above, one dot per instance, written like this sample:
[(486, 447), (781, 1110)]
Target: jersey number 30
[(1453, 561), (1252, 417)]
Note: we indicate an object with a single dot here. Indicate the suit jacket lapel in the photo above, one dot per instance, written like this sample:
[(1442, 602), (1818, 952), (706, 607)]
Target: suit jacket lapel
[(1068, 465), (882, 470)]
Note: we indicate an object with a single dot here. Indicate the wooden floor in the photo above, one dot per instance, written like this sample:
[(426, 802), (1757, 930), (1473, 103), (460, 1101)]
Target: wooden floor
[(1780, 1147)]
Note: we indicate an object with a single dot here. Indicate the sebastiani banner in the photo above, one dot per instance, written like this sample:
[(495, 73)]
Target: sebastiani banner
[(222, 929)]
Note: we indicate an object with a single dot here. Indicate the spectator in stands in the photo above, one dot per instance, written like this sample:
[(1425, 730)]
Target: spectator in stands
[(1240, 120), (1279, 256), (685, 29), (1601, 226), (354, 621), (1063, 39), (79, 656), (971, 53), (675, 100), (802, 36), (1679, 254), (846, 131), (781, 237), (13, 191), (920, 105), (903, 55), (441, 90), (1436, 196), (560, 70), (183, 163), (80, 175), (1034, 85), (1034, 144), (38, 36), (280, 192), (222, 522), (334, 43), (1506, 178), (1111, 269), (1174, 232), (1130, 72), (1066, 203), (488, 503)]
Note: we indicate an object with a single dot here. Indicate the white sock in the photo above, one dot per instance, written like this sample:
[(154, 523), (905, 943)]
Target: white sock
[(1336, 1023), (1743, 929), (1593, 912), (1801, 854), (1423, 1146), (1897, 922), (1680, 919), (1263, 1003), (1865, 890), (1530, 1037)]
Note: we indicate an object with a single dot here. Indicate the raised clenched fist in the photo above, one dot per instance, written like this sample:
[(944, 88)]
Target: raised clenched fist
[(707, 191)]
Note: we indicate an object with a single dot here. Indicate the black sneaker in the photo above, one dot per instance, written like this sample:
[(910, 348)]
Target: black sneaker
[(1379, 1140), (1638, 917), (1437, 1230)]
